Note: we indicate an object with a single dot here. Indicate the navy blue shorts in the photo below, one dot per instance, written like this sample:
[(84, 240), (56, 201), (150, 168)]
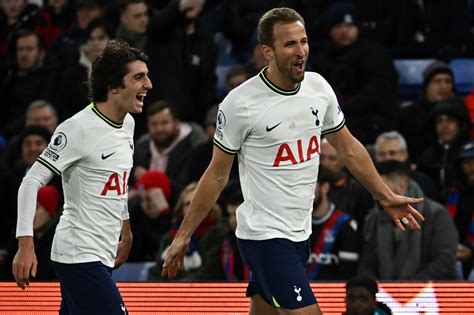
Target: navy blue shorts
[(88, 288), (278, 271)]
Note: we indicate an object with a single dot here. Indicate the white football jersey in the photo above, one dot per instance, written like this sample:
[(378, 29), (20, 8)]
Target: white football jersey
[(276, 134), (94, 156)]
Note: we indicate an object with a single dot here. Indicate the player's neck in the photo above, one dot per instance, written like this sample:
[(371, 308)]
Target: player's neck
[(278, 79), (111, 111)]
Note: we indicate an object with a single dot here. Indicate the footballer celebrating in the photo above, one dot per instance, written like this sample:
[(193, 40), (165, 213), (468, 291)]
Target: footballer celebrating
[(93, 152)]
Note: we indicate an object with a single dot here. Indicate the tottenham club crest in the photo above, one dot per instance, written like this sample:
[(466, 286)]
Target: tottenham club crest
[(315, 113), (220, 120), (58, 142)]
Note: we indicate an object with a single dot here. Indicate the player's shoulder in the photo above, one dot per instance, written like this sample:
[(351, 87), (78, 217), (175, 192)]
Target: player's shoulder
[(315, 79)]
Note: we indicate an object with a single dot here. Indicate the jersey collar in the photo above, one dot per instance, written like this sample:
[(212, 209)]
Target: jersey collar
[(105, 118), (275, 88)]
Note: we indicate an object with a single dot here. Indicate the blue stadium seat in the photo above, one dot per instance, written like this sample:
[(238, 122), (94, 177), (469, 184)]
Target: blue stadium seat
[(133, 271), (464, 74), (410, 75), (221, 72)]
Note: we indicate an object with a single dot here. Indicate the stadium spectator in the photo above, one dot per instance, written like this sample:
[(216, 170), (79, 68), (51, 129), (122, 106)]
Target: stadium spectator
[(150, 215), (45, 221), (258, 61), (449, 122), (444, 29), (166, 144), (235, 77), (55, 19), (198, 158), (234, 268), (389, 254), (361, 73), (361, 298), (28, 81), (184, 59), (240, 23), (33, 141), (14, 16), (134, 20), (39, 112), (412, 117), (202, 260), (73, 92), (391, 145), (335, 242), (346, 192), (65, 50), (460, 203)]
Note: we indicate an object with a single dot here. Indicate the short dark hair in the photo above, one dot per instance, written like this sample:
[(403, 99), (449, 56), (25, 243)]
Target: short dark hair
[(123, 4), (391, 168), (25, 33), (100, 23), (160, 106), (110, 67), (38, 130), (366, 282), (235, 71), (272, 17)]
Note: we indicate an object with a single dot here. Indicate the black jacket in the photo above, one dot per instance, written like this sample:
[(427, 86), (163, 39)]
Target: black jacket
[(364, 79)]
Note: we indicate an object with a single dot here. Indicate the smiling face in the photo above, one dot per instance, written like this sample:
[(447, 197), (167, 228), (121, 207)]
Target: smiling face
[(136, 83), (288, 55)]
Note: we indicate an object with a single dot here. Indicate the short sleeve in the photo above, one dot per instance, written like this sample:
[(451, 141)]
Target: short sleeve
[(65, 148), (334, 119), (232, 124)]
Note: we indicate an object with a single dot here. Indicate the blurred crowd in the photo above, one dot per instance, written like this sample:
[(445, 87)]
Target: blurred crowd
[(422, 144)]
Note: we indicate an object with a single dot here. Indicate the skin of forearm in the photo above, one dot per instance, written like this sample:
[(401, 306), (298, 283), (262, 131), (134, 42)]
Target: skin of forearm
[(126, 233), (359, 163), (207, 192)]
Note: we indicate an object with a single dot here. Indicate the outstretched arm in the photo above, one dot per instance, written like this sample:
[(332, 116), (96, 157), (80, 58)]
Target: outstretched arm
[(25, 262), (208, 190), (357, 160)]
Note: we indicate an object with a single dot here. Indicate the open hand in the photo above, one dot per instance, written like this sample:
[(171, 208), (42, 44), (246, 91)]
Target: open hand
[(400, 210)]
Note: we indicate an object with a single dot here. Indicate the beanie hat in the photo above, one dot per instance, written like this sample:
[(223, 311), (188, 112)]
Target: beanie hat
[(436, 67), (155, 179), (341, 13), (35, 130), (453, 107), (48, 198)]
